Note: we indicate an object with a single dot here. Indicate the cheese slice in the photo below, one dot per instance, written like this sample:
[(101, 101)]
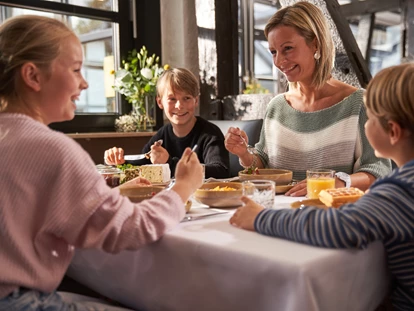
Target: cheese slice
[(156, 173)]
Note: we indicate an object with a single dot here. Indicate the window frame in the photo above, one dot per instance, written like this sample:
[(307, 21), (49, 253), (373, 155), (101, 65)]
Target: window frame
[(90, 122)]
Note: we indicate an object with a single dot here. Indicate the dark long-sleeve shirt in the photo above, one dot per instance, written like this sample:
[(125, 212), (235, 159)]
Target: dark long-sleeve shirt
[(385, 213), (210, 150)]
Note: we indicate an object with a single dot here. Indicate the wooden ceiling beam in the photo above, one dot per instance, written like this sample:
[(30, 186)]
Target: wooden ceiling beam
[(369, 6)]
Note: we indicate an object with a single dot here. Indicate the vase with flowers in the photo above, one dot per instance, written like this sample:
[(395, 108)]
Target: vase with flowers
[(137, 80)]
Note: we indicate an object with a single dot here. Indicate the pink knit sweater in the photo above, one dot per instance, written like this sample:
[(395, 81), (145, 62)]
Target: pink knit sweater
[(52, 200)]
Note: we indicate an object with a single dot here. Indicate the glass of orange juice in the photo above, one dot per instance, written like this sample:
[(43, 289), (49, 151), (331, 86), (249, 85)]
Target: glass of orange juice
[(319, 179)]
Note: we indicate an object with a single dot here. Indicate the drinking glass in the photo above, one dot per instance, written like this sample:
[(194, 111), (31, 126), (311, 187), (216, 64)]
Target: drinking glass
[(319, 179), (260, 191)]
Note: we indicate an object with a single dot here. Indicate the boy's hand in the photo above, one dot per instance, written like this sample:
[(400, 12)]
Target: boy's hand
[(188, 175), (159, 155), (114, 156), (245, 215)]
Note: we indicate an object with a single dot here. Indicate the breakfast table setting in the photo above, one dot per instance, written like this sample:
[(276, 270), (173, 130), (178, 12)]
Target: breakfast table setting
[(205, 263)]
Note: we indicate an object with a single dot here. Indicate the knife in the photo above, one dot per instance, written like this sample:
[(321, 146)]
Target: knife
[(135, 157), (196, 217)]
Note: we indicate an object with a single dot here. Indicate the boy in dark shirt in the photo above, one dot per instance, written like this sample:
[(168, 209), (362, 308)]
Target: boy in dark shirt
[(177, 94)]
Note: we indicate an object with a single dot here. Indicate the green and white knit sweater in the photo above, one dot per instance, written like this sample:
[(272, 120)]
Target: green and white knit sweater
[(331, 138)]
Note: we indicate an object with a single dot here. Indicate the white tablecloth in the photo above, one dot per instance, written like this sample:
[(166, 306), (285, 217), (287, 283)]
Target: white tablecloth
[(210, 265)]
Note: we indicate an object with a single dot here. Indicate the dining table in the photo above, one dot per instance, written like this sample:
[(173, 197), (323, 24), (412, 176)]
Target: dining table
[(205, 263)]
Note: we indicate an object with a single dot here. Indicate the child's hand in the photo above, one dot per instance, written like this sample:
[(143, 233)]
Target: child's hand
[(159, 155), (188, 174), (114, 156), (136, 182), (245, 215), (298, 190)]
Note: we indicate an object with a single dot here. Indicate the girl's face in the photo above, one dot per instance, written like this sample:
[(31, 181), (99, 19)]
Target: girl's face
[(377, 136), (178, 106), (63, 84), (291, 54)]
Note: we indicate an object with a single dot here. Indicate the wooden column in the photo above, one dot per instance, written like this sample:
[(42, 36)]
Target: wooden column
[(218, 51)]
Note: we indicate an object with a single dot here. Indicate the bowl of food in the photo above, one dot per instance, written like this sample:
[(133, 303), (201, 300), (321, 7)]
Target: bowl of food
[(138, 194), (220, 194), (281, 177)]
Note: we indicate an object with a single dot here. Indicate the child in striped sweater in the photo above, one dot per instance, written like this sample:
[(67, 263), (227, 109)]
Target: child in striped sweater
[(386, 212)]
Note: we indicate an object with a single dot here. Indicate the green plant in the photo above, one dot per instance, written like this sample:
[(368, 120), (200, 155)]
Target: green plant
[(254, 87), (137, 80), (138, 77)]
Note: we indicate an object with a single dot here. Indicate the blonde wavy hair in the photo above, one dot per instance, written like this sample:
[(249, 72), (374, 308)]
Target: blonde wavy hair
[(178, 79), (27, 38), (311, 24), (390, 96)]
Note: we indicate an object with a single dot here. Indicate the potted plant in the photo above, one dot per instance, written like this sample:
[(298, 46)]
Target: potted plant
[(137, 80)]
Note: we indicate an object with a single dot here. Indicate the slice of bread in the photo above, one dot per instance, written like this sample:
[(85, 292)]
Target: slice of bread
[(338, 196)]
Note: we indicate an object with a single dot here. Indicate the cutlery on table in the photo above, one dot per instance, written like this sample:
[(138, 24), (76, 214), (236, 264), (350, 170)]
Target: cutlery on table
[(197, 217), (135, 157)]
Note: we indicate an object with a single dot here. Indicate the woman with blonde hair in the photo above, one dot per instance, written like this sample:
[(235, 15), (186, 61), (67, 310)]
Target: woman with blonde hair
[(385, 213), (319, 121)]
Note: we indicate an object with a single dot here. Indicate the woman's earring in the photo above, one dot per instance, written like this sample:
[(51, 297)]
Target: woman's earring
[(317, 55)]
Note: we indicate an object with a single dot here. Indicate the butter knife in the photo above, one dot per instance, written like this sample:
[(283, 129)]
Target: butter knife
[(197, 217), (135, 157)]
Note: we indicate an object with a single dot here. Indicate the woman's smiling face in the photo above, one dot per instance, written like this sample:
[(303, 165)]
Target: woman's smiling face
[(291, 54)]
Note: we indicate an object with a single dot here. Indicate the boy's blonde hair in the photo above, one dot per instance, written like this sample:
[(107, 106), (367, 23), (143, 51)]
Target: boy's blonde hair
[(23, 39), (311, 24), (390, 96), (178, 79)]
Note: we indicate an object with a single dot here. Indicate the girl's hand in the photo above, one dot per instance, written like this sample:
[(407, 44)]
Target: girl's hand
[(188, 175), (136, 182), (245, 215), (298, 190), (234, 143), (114, 156)]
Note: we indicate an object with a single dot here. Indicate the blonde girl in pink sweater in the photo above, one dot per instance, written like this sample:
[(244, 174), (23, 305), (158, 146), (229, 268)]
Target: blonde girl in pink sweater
[(52, 200)]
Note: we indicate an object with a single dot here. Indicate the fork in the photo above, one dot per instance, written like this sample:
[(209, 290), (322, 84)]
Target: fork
[(250, 149), (157, 143)]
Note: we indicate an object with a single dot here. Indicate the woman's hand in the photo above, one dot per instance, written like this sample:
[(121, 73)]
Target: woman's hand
[(234, 143), (245, 215), (114, 156), (298, 190), (188, 175)]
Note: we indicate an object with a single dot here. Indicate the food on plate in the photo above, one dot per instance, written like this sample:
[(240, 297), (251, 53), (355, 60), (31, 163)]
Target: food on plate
[(251, 170), (112, 175), (188, 204), (131, 173), (336, 197), (218, 188), (156, 173)]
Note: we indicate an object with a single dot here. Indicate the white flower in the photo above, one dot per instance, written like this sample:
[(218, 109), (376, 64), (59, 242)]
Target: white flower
[(146, 73)]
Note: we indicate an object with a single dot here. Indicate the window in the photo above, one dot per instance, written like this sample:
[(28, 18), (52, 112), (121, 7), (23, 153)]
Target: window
[(254, 57), (386, 45), (97, 23)]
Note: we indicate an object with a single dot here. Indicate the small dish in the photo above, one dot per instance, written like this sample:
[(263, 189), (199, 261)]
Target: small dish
[(219, 198), (281, 177), (308, 202), (138, 194)]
